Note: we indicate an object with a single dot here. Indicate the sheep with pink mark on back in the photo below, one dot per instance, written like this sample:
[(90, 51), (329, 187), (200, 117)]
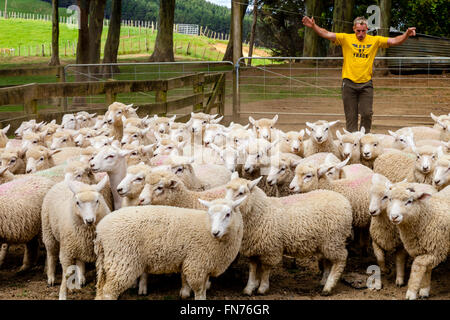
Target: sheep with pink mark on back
[(423, 222)]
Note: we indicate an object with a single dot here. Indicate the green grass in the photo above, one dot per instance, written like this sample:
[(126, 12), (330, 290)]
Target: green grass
[(30, 6)]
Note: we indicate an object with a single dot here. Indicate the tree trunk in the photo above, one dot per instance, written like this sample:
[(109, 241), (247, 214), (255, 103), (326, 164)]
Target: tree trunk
[(164, 40), (96, 14), (342, 14), (229, 51), (83, 33), (5, 15), (54, 60), (312, 40), (252, 34), (385, 17), (113, 38)]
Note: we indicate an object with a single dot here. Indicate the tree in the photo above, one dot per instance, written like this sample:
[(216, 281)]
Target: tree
[(164, 40), (83, 32), (228, 56), (253, 31), (96, 14), (54, 60), (342, 15), (312, 40), (113, 38)]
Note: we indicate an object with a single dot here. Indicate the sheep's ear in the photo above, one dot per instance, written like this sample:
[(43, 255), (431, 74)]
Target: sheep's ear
[(330, 124), (99, 186), (246, 126), (342, 164), (392, 133), (123, 153), (144, 131), (308, 132), (274, 120), (338, 135), (362, 130), (253, 183), (3, 170), (295, 163), (5, 129), (173, 118), (421, 196), (205, 203), (378, 179), (323, 169), (301, 133), (234, 175), (309, 124), (74, 186), (43, 133), (433, 117), (53, 121), (237, 202), (216, 120), (440, 151), (148, 147), (251, 120), (92, 115), (52, 152)]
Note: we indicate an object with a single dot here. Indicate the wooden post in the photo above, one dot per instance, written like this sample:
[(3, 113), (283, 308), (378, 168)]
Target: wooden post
[(161, 96), (188, 47), (110, 97), (146, 43), (199, 88), (204, 51), (237, 49)]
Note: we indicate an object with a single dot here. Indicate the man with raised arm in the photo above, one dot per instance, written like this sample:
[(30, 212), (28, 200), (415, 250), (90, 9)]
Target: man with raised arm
[(359, 51)]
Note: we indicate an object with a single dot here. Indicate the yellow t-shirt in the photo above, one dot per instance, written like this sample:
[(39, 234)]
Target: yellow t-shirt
[(359, 55)]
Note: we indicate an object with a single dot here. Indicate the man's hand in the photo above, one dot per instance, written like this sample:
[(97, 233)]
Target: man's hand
[(308, 22), (411, 32)]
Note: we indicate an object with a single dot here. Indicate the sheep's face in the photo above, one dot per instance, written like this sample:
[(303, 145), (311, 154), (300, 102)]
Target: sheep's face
[(134, 181), (162, 124), (349, 146), (12, 160), (294, 141), (402, 141), (101, 122), (230, 158), (179, 134), (5, 175), (62, 140), (131, 134), (168, 147), (38, 158), (79, 171), (221, 215), (115, 113), (162, 189), (441, 175), (33, 139), (86, 200), (213, 134), (378, 194), (370, 147), (199, 120), (82, 139), (425, 159), (101, 141), (402, 203), (279, 174), (305, 179), (69, 122), (263, 128), (444, 127), (238, 188), (84, 119), (320, 130), (25, 127), (107, 159)]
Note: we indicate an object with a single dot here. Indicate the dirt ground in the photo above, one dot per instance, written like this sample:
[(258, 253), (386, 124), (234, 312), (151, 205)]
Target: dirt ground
[(291, 280)]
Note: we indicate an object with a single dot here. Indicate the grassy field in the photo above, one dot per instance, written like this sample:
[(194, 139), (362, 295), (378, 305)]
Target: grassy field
[(30, 6)]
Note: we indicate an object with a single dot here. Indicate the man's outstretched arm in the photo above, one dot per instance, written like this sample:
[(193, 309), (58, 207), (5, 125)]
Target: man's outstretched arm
[(402, 38), (310, 23)]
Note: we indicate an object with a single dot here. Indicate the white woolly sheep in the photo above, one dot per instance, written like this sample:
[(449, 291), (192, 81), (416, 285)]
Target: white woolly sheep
[(3, 138), (197, 245), (321, 140), (70, 212), (349, 146), (13, 159), (423, 222), (132, 184), (318, 222), (441, 177), (292, 142), (264, 128)]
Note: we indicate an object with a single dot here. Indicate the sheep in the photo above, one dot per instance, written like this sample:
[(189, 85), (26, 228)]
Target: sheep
[(85, 119), (39, 158), (33, 139), (442, 124), (318, 222), (384, 234), (69, 122), (349, 145), (13, 159), (131, 133), (199, 120), (371, 148), (165, 188), (82, 138), (5, 175), (282, 173), (421, 133), (320, 139), (136, 122), (101, 141), (27, 126), (197, 244), (292, 142), (232, 158), (114, 116), (441, 177), (214, 133), (264, 128), (197, 176), (132, 184), (70, 212), (111, 160), (402, 141), (423, 222), (20, 219), (62, 139), (162, 124), (3, 138), (139, 153)]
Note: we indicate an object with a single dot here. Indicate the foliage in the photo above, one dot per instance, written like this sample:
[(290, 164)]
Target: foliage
[(32, 6)]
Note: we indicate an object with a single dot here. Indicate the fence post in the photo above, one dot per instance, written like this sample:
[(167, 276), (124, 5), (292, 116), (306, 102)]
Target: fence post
[(161, 97), (110, 96), (199, 88)]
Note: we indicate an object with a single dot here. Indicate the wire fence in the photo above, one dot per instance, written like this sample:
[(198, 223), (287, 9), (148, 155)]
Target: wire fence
[(302, 89)]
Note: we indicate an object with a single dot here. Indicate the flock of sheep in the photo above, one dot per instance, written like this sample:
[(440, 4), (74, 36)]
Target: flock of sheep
[(139, 196)]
